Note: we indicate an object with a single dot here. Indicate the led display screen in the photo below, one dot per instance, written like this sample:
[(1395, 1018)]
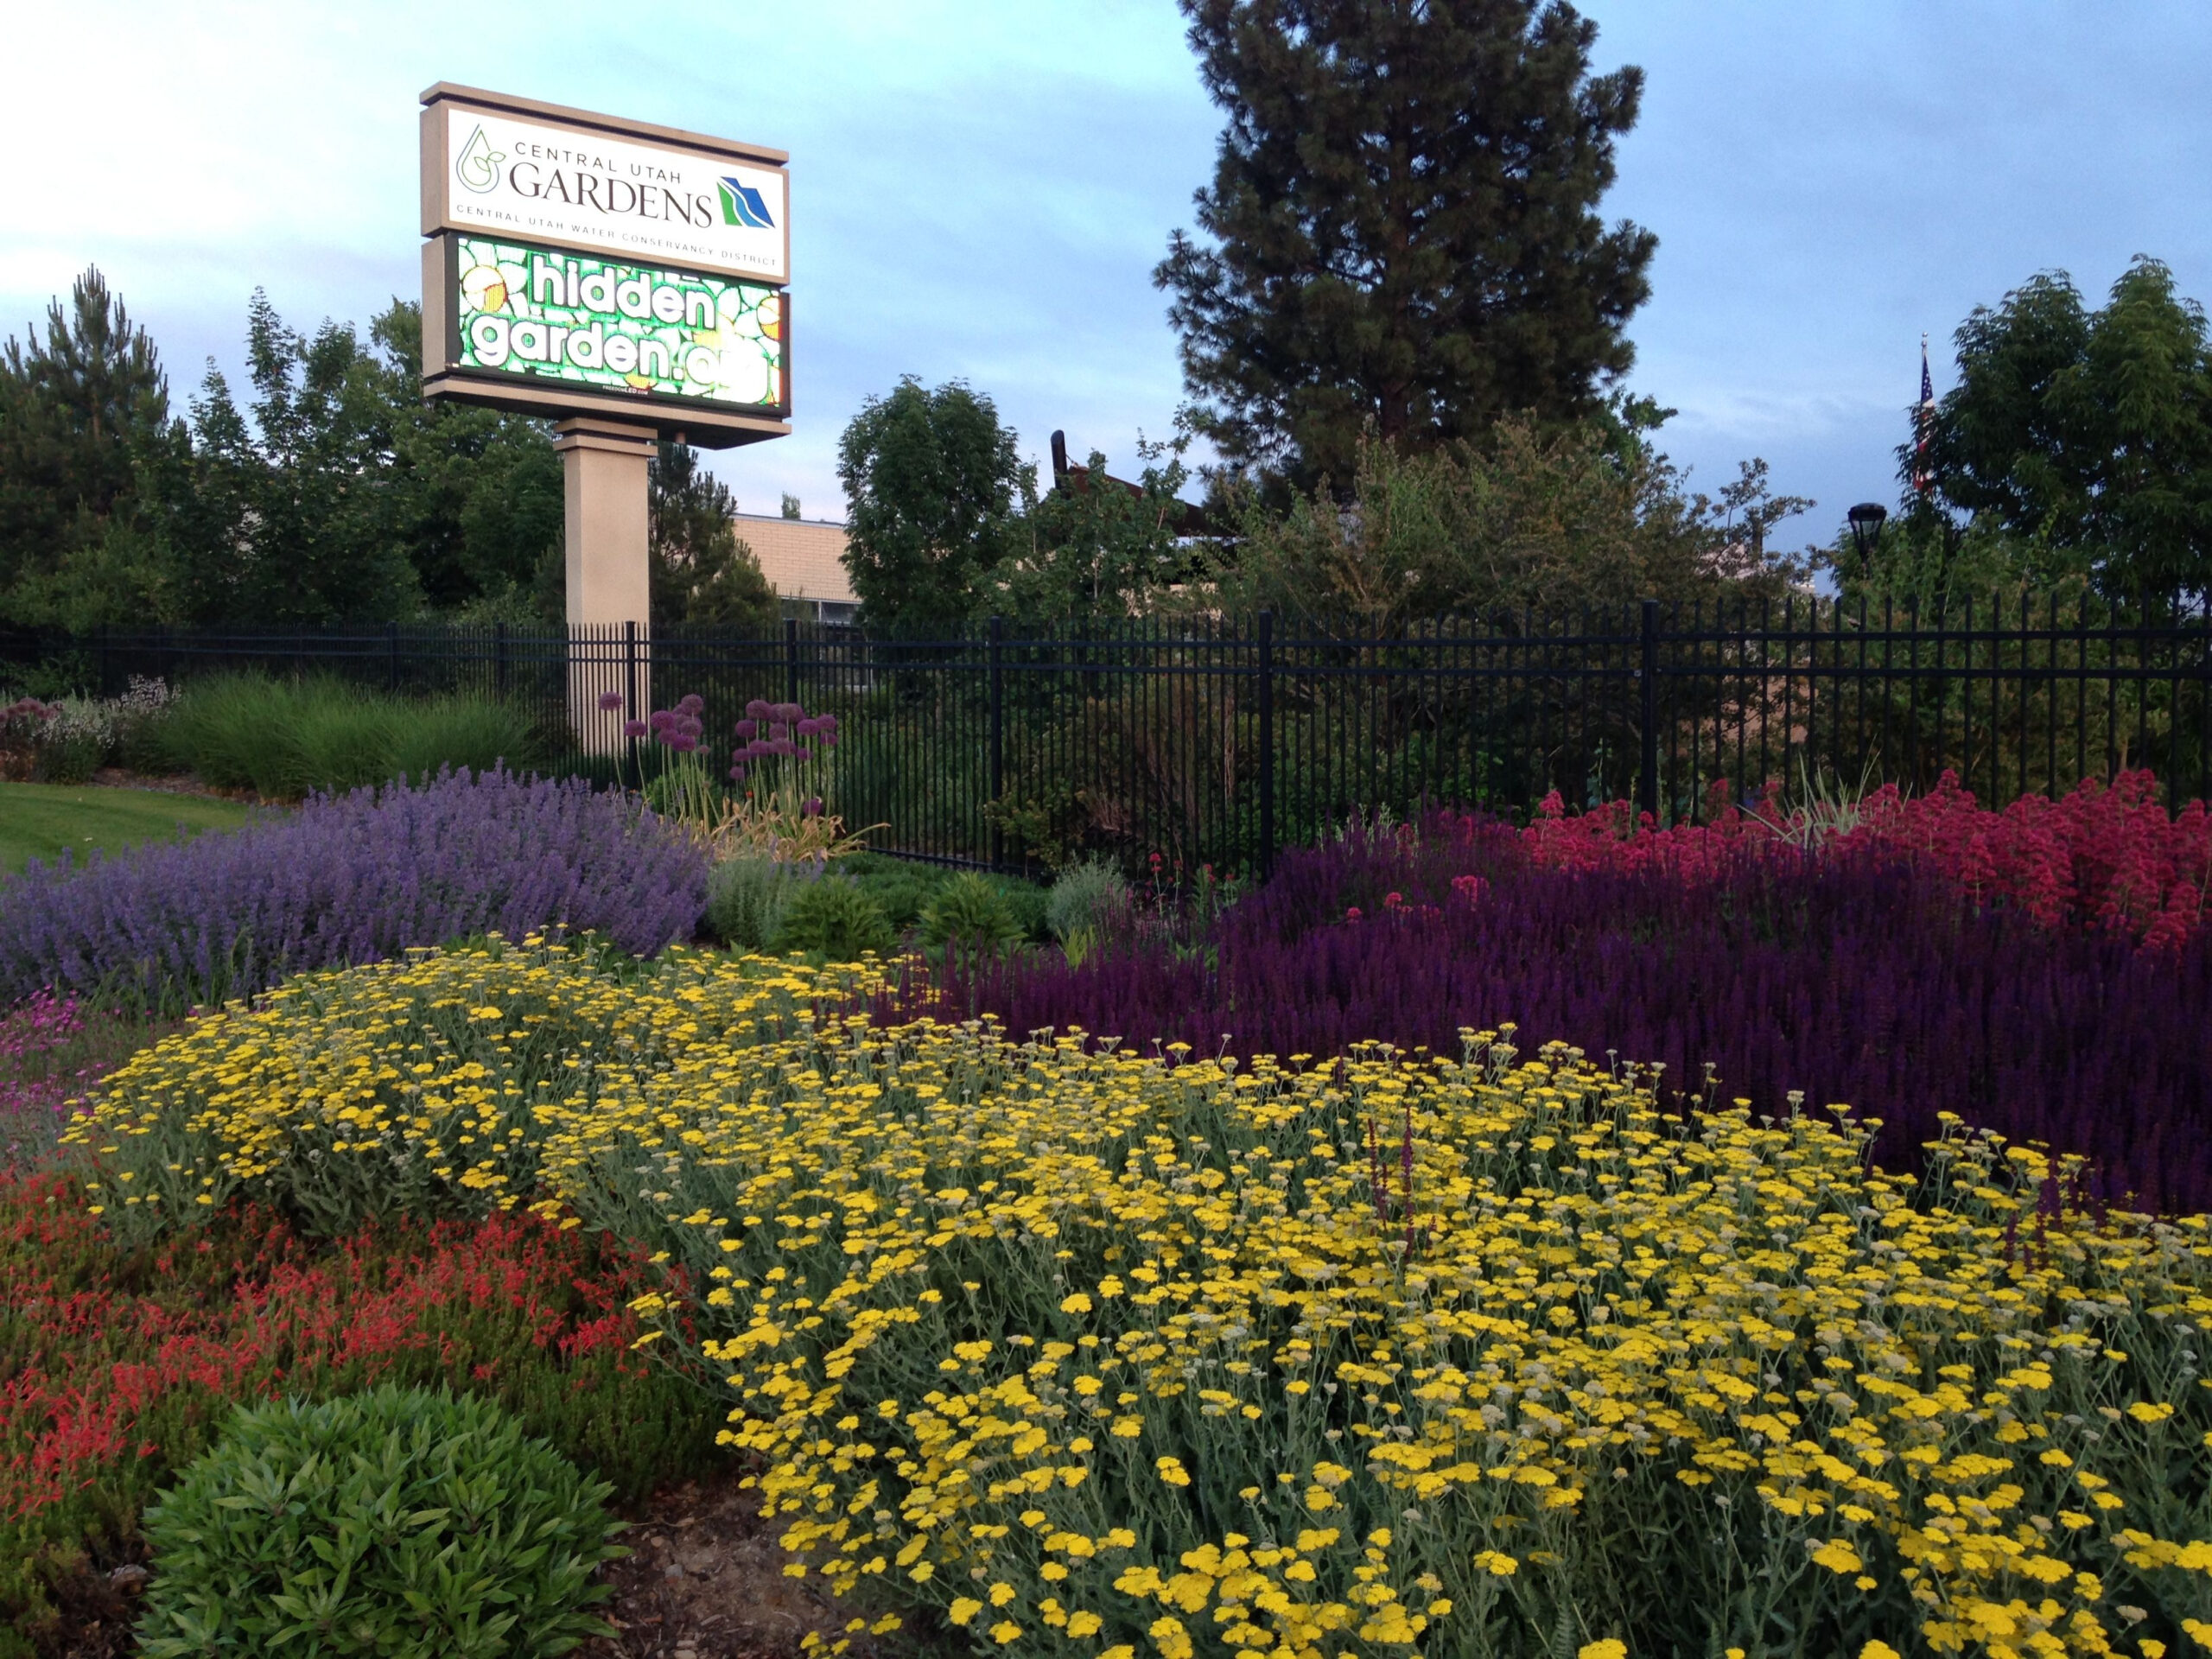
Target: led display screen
[(549, 315)]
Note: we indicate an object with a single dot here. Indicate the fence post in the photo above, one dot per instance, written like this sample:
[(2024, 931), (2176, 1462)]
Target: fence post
[(790, 659), (1267, 668), (630, 689), (392, 676), (1646, 789), (500, 658), (998, 742)]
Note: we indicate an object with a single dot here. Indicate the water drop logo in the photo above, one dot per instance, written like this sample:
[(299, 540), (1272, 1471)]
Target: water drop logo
[(478, 169), (741, 205)]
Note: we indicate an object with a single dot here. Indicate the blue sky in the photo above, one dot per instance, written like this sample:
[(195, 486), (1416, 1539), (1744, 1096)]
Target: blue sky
[(981, 190)]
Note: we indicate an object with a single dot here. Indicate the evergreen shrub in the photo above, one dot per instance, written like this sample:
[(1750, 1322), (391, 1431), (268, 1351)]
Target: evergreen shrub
[(399, 1523)]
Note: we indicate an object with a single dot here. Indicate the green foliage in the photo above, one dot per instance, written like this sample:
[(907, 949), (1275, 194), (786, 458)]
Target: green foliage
[(1088, 898), (700, 572), (397, 1523), (970, 913), (286, 739), (84, 418), (1546, 519), (902, 887), (1095, 553), (836, 918), (2088, 432), (337, 494), (1404, 227), (473, 497), (272, 527), (749, 898), (932, 485)]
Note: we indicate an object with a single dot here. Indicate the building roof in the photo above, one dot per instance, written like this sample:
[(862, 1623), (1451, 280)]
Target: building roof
[(804, 557)]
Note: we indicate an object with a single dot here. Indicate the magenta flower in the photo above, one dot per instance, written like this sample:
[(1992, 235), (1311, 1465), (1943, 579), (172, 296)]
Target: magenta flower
[(610, 701)]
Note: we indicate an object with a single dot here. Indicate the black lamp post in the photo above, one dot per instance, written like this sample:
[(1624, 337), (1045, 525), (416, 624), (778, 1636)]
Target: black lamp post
[(1866, 521)]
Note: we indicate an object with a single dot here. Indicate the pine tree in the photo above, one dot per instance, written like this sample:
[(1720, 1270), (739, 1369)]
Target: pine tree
[(81, 411), (1404, 226)]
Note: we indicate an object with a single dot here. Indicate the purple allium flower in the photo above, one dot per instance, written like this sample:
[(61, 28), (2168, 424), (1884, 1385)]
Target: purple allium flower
[(788, 712), (610, 701), (757, 710), (737, 774), (633, 728), (747, 729), (690, 703), (813, 807)]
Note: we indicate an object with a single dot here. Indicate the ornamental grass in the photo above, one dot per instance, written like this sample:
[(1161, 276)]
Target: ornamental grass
[(1084, 1351)]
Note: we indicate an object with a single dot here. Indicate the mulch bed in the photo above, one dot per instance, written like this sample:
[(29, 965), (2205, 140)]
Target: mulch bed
[(705, 1581)]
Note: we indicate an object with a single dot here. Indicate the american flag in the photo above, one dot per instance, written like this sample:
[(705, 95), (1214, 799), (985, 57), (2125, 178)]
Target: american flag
[(1924, 481)]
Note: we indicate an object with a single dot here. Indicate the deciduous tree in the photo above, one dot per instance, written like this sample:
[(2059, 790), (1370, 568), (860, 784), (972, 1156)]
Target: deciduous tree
[(933, 489)]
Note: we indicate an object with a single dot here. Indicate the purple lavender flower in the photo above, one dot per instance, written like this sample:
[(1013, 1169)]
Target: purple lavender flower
[(350, 878)]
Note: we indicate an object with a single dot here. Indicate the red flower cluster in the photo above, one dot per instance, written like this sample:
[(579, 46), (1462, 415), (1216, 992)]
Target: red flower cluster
[(2104, 856), (117, 1368)]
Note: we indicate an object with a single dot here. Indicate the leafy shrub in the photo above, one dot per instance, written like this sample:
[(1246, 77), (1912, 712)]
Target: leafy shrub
[(968, 913), (748, 897), (1088, 897), (288, 739), (123, 1363), (1025, 902), (398, 1522), (1500, 1355), (836, 918), (902, 886), (312, 1101), (349, 878)]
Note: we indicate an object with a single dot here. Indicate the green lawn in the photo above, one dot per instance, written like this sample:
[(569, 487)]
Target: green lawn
[(38, 820)]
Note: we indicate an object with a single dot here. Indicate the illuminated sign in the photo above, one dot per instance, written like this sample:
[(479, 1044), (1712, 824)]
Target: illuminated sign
[(511, 176), (610, 326), (578, 266)]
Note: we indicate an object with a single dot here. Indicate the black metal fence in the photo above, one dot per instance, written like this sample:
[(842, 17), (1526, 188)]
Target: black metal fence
[(1219, 743)]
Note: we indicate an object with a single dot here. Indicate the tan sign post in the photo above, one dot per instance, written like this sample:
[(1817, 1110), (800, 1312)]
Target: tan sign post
[(630, 282)]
